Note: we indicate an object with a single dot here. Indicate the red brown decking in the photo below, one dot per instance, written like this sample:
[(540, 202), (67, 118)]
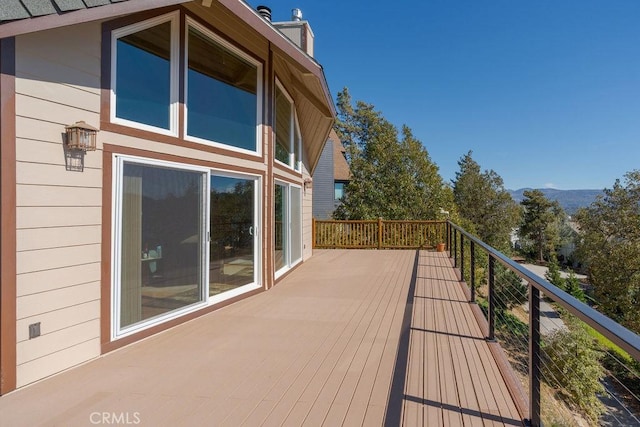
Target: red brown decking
[(324, 347)]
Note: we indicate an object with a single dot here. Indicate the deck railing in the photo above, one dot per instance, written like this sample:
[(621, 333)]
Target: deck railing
[(541, 329), (379, 234), (536, 330)]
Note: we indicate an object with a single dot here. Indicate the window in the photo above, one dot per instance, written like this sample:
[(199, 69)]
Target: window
[(222, 85), (338, 190), (288, 229), (144, 74), (222, 92), (163, 267), (288, 140), (159, 260)]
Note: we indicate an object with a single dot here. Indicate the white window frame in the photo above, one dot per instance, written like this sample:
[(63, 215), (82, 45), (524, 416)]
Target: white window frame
[(174, 19), (257, 245), (290, 263), (117, 331), (190, 23), (294, 128)]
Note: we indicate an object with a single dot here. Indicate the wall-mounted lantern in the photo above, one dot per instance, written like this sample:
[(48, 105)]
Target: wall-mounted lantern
[(81, 136), (308, 183)]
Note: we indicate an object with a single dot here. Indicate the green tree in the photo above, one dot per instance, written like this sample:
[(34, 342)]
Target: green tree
[(573, 367), (553, 274), (572, 287), (482, 199), (610, 247), (540, 222), (392, 176)]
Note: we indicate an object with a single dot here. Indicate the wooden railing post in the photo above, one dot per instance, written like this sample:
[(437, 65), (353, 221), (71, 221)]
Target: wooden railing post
[(313, 233), (379, 233)]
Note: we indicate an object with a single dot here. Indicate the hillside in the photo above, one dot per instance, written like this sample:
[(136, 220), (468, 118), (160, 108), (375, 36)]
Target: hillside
[(570, 200)]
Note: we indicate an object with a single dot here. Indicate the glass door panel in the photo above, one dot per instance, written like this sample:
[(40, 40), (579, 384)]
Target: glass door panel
[(233, 234), (161, 257), (281, 226), (296, 225)]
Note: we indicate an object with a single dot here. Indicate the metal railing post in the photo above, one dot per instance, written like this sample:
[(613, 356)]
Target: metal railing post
[(492, 300), (462, 257), (534, 355), (455, 248), (473, 272)]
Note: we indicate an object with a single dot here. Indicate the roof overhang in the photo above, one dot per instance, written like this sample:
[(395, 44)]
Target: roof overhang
[(112, 10), (311, 92)]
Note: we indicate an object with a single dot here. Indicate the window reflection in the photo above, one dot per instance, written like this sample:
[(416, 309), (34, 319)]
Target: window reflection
[(143, 76), (221, 94), (161, 257)]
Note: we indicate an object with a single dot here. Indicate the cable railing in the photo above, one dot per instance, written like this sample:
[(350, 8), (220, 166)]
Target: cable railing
[(577, 366)]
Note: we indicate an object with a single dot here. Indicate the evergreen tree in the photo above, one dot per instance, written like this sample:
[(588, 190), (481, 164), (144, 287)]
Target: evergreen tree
[(540, 222), (391, 177), (553, 274), (610, 246), (482, 199)]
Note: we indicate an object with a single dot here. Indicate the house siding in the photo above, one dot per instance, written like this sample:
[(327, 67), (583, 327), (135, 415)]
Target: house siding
[(323, 193), (58, 212), (64, 205)]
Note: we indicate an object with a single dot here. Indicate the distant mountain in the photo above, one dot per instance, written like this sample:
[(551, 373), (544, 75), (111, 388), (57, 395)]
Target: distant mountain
[(570, 200)]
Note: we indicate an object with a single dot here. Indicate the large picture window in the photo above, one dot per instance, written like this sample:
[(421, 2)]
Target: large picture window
[(222, 92), (288, 140), (144, 74), (222, 84)]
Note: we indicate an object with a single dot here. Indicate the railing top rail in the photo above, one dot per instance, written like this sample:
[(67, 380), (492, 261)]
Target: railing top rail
[(618, 334)]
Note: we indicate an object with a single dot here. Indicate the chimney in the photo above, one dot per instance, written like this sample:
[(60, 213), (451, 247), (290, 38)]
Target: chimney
[(298, 31), (265, 12)]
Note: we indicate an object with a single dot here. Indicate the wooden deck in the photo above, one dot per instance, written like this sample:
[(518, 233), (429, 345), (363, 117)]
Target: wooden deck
[(352, 337)]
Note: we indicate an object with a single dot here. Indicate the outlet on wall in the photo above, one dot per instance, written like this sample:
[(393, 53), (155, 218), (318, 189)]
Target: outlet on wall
[(34, 330)]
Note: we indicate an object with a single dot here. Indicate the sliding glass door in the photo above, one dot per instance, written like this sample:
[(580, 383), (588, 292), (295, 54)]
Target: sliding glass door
[(288, 226), (160, 257), (233, 245), (184, 237)]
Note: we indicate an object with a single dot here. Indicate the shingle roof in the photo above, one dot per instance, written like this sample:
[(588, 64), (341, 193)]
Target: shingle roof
[(12, 10), (341, 171)]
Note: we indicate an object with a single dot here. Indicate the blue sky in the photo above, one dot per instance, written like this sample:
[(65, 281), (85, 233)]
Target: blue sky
[(546, 93)]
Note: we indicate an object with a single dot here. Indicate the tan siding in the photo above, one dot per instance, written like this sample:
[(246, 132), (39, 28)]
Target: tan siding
[(31, 217), (76, 47), (47, 280), (46, 195), (43, 174), (53, 112), (50, 259), (32, 305), (59, 320), (49, 238), (59, 204), (56, 341), (58, 361), (34, 151), (58, 93)]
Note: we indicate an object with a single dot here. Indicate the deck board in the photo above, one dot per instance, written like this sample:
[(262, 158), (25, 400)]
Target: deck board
[(351, 337)]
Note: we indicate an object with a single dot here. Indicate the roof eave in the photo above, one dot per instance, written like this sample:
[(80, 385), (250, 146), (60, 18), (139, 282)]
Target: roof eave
[(46, 22)]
